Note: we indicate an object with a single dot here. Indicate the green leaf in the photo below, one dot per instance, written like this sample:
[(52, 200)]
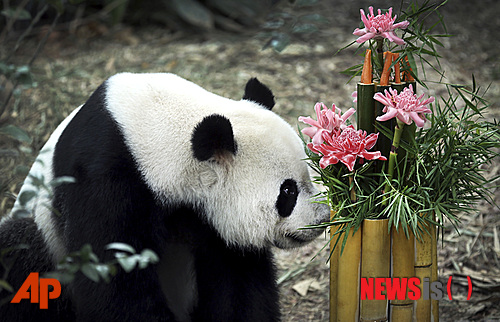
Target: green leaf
[(57, 4), (21, 213), (413, 65), (128, 263), (315, 17), (6, 286), (193, 12), (304, 28), (16, 13), (148, 256), (278, 42), (62, 180), (90, 271), (305, 3), (121, 247), (15, 133), (22, 170), (26, 196)]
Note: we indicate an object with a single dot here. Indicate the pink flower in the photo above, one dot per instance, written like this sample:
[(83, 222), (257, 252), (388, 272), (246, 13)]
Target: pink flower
[(327, 121), (354, 96), (379, 26), (346, 145), (405, 106)]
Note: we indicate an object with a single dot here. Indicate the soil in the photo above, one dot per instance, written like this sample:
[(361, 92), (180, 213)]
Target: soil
[(74, 63)]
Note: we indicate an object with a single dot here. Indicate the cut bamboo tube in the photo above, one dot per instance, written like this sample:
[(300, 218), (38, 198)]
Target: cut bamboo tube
[(403, 259), (423, 270), (375, 250), (403, 313), (423, 304), (434, 274), (383, 143), (334, 261), (348, 279), (423, 253), (408, 135), (365, 113)]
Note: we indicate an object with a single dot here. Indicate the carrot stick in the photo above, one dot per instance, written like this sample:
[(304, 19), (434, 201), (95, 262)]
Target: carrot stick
[(397, 72), (408, 76), (386, 71), (366, 74)]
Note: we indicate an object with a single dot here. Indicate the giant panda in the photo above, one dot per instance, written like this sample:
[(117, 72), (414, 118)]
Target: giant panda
[(208, 183)]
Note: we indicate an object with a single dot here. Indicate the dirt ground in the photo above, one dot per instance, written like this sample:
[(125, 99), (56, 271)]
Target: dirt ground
[(74, 64)]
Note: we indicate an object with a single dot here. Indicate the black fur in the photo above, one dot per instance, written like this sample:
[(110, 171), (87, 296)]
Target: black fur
[(287, 198), (25, 252), (110, 202), (259, 93), (212, 137)]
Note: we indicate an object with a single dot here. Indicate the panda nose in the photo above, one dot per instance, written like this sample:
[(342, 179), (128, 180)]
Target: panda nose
[(324, 212)]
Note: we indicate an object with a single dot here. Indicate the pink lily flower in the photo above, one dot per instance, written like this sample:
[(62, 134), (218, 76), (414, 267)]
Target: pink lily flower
[(327, 121), (404, 106), (346, 145), (379, 26)]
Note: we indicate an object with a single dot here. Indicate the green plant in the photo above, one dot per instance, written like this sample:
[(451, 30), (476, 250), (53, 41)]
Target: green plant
[(434, 173)]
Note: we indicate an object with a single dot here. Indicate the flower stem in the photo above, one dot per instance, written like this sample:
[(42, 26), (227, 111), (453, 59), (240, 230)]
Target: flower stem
[(398, 131), (380, 54), (352, 191)]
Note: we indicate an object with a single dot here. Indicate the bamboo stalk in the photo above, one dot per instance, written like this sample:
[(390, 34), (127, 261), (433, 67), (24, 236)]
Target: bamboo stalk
[(423, 270), (365, 113), (434, 274), (383, 143), (375, 250), (423, 254), (348, 279), (402, 313), (334, 268), (403, 259), (423, 305)]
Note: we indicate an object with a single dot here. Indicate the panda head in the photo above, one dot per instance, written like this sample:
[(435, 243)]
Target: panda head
[(255, 182), (236, 162)]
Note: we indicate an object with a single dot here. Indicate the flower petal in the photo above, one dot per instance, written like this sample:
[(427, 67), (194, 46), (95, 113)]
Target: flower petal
[(367, 36), (391, 113), (309, 121)]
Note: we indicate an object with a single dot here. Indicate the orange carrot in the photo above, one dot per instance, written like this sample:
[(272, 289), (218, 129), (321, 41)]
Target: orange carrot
[(397, 72), (408, 76), (386, 71), (366, 74)]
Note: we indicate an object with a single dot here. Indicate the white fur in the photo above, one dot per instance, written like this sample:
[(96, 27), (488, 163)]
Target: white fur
[(157, 114), (40, 206)]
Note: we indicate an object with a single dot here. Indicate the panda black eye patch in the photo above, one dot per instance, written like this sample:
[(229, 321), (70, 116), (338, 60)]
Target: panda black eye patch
[(287, 197)]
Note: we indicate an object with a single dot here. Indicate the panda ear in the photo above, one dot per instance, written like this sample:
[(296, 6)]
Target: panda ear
[(213, 138), (259, 93)]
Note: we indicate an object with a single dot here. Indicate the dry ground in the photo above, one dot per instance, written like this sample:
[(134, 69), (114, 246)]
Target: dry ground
[(73, 65)]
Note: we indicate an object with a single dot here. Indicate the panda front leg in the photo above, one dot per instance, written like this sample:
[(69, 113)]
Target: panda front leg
[(134, 296), (235, 284)]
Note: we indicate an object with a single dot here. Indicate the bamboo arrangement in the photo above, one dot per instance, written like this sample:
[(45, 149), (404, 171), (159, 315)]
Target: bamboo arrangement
[(375, 250)]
